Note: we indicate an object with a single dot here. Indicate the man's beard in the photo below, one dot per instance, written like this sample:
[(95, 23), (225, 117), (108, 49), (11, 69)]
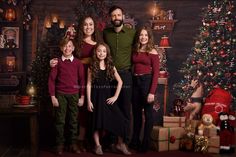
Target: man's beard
[(117, 23)]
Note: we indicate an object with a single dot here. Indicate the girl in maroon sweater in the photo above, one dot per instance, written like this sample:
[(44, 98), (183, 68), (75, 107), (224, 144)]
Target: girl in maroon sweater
[(145, 77)]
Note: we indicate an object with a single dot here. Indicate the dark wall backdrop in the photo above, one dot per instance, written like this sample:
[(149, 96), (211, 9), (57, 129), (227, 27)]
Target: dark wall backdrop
[(187, 12)]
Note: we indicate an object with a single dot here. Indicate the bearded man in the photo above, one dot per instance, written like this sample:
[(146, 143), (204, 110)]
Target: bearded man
[(120, 40)]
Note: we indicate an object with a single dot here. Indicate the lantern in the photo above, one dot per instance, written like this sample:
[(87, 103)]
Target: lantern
[(31, 91), (10, 62), (10, 14)]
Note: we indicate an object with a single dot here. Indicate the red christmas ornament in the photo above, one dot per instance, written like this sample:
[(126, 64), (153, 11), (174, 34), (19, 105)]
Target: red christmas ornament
[(172, 139), (227, 42), (227, 74), (212, 24), (200, 62), (222, 52), (212, 43), (223, 55)]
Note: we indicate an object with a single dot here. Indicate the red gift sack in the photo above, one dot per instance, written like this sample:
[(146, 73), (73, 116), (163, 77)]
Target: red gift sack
[(217, 101)]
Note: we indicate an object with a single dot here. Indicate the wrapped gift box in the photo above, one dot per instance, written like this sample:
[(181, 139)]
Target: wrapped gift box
[(210, 132), (164, 139), (192, 126), (214, 144), (173, 121), (187, 142)]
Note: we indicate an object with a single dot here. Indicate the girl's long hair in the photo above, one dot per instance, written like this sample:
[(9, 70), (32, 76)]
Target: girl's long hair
[(95, 66), (150, 44), (96, 36)]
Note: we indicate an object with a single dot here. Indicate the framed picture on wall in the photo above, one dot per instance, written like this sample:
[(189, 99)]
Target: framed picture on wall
[(11, 36)]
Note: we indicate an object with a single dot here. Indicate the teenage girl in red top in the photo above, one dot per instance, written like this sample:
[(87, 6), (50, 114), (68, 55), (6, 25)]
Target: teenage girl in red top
[(145, 77)]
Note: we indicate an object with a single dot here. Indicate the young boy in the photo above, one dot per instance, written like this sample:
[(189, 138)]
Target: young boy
[(65, 82)]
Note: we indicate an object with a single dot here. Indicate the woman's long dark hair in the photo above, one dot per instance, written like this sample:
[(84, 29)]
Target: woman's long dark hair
[(96, 36), (150, 44), (95, 66)]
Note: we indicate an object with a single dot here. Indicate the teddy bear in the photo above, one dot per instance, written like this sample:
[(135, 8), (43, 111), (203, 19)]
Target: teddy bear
[(206, 123), (10, 43)]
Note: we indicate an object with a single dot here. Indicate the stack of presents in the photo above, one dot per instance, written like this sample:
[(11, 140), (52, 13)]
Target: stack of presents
[(212, 132)]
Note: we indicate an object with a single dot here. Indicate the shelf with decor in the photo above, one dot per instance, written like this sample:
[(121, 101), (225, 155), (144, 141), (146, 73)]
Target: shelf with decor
[(163, 26), (162, 20), (11, 37), (12, 72)]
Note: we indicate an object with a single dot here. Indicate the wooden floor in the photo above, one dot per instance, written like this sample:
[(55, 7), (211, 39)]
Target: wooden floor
[(19, 151), (14, 151)]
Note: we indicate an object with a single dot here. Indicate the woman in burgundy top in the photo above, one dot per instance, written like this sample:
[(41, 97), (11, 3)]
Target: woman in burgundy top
[(145, 77), (86, 39)]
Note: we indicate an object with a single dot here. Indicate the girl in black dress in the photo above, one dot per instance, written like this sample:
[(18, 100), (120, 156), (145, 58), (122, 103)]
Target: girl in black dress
[(106, 115)]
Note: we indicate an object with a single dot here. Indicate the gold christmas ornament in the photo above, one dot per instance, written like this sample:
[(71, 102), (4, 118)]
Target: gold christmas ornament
[(201, 144)]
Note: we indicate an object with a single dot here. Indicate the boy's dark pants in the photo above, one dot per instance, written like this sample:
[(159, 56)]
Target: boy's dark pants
[(67, 105)]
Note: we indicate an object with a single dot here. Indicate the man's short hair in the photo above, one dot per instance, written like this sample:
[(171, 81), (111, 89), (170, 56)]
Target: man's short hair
[(114, 7)]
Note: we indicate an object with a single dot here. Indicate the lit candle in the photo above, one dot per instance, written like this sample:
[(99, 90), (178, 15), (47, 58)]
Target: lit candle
[(54, 19), (153, 13), (62, 24), (48, 24)]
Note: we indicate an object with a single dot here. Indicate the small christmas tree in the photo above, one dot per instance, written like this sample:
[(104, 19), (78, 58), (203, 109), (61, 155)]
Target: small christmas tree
[(48, 49), (213, 57)]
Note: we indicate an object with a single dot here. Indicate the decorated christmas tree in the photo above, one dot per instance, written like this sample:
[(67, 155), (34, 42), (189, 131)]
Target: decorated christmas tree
[(212, 60), (48, 49)]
